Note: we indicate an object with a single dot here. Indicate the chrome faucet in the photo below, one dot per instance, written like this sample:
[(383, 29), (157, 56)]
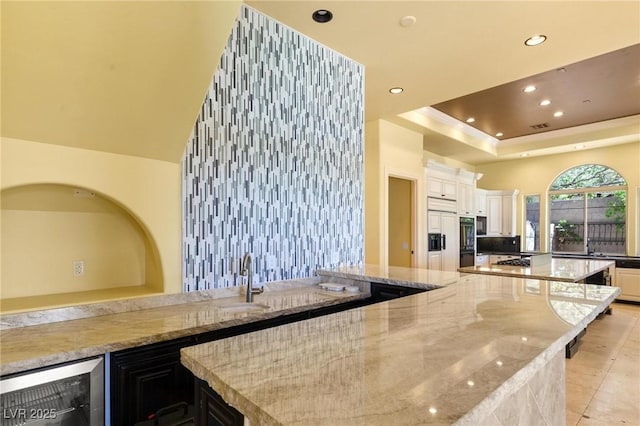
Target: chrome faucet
[(245, 270)]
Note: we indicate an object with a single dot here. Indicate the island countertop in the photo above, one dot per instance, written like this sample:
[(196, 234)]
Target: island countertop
[(450, 355), (568, 270)]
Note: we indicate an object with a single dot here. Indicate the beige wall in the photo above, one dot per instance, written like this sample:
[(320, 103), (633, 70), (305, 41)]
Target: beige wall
[(391, 150), (535, 175), (147, 189), (47, 228)]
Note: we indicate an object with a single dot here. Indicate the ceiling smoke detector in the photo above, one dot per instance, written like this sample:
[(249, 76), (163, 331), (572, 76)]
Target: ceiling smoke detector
[(322, 16)]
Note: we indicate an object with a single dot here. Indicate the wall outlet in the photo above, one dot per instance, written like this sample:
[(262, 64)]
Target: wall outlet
[(78, 268)]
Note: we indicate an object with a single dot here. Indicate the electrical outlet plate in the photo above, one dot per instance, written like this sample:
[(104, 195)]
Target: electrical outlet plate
[(78, 268)]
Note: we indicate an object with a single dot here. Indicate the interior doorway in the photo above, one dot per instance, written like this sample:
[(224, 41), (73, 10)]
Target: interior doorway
[(401, 222)]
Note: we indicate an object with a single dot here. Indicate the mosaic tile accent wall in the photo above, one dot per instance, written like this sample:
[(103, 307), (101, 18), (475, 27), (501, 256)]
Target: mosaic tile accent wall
[(274, 165)]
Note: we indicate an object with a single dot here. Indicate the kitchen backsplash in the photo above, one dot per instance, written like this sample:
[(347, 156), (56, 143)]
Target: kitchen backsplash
[(499, 244), (274, 165)]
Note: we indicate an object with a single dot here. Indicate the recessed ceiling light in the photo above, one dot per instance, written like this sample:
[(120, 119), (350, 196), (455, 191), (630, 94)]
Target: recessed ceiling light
[(545, 102), (529, 89), (407, 21), (499, 135), (558, 114), (322, 16), (535, 40), (470, 120), (396, 90)]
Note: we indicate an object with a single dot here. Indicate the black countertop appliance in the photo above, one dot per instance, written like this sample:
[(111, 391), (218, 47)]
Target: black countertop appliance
[(499, 244)]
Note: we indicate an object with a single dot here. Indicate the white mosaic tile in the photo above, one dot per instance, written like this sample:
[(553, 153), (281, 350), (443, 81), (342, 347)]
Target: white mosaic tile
[(274, 165)]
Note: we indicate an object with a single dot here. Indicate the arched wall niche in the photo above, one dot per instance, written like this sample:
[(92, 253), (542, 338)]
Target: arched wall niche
[(48, 227)]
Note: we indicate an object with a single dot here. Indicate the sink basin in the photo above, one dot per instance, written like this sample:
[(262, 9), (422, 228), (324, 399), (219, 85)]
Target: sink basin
[(244, 307)]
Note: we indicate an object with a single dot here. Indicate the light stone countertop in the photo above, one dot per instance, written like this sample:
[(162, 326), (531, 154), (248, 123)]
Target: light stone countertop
[(427, 279), (41, 338), (569, 270), (446, 356)]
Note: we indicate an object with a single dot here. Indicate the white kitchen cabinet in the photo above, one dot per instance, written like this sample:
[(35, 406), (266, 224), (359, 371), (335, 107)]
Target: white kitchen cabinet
[(466, 199), (494, 215), (508, 213), (434, 222), (481, 202), (441, 188), (446, 224), (434, 260), (495, 258), (501, 209), (629, 281)]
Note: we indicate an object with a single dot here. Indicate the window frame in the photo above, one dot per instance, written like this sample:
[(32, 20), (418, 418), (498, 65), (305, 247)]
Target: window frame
[(525, 221), (585, 191)]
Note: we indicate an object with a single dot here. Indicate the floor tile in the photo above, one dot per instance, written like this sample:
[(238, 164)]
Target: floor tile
[(603, 378)]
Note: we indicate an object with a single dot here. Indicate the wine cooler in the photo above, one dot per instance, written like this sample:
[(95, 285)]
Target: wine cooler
[(69, 394)]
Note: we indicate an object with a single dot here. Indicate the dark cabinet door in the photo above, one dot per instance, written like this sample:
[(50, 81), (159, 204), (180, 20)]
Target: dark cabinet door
[(213, 410), (147, 379), (150, 378), (383, 292)]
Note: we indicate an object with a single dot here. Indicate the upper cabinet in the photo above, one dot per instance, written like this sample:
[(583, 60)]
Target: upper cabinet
[(466, 199), (501, 209), (441, 188), (481, 202)]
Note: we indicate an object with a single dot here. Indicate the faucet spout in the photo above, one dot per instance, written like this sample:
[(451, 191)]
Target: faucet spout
[(246, 270)]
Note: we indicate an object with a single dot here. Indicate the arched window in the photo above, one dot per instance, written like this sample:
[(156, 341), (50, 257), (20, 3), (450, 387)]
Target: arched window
[(587, 212)]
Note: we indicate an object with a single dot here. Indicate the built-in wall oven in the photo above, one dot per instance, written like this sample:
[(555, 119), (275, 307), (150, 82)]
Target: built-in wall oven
[(467, 241), (481, 225), (69, 394)]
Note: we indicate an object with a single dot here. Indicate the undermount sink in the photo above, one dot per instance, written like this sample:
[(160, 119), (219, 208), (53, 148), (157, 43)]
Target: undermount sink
[(244, 307)]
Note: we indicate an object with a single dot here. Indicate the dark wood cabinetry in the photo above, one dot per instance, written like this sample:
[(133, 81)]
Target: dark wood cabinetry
[(212, 410), (383, 292), (150, 378), (147, 379)]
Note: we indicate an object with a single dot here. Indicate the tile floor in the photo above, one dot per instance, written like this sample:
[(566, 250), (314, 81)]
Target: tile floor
[(603, 378)]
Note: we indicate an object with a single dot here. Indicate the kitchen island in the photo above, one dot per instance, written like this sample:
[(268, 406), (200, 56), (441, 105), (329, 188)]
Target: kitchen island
[(481, 350), (567, 270)]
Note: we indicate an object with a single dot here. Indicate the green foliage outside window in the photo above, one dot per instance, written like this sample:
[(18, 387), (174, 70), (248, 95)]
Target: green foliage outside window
[(601, 193), (587, 176)]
